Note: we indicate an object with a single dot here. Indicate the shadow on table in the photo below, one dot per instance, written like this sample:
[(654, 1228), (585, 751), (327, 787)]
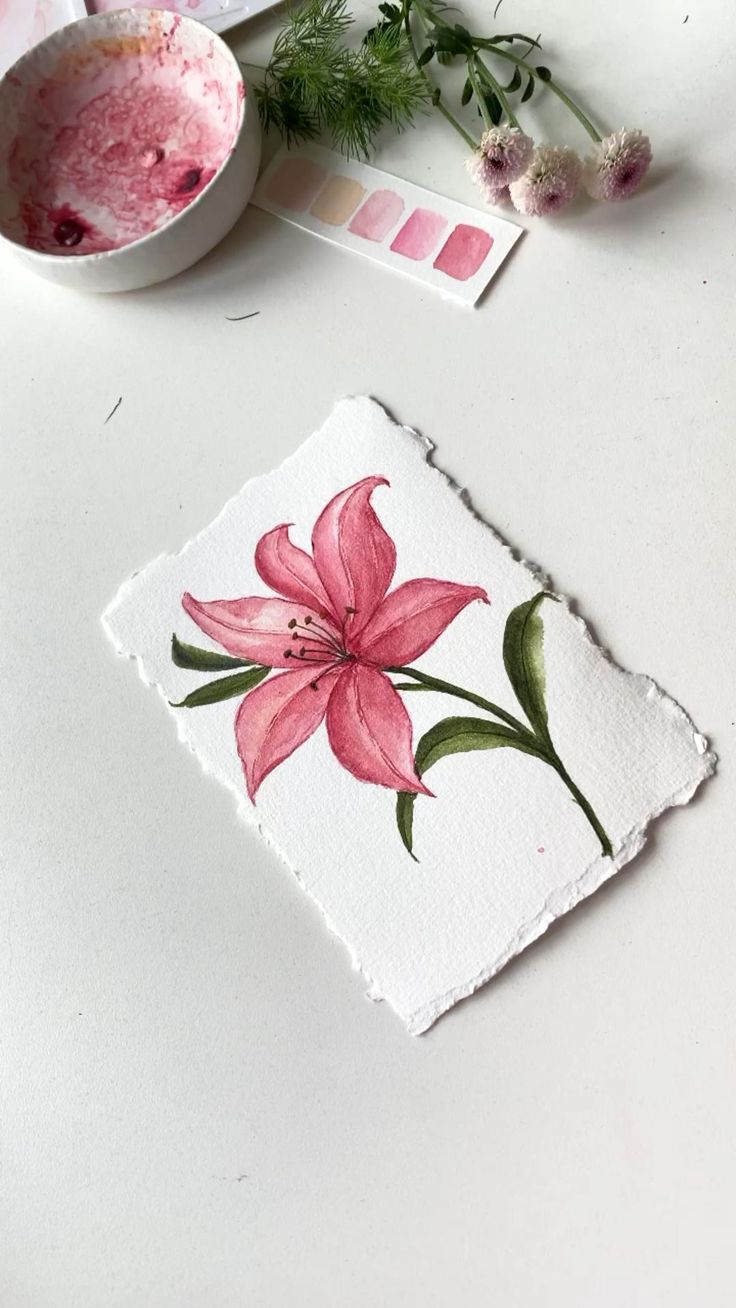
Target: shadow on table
[(259, 252)]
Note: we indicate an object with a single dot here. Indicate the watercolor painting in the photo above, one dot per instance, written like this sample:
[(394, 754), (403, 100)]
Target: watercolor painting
[(341, 634), (416, 722)]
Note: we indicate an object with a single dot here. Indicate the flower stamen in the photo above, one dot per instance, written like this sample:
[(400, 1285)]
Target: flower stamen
[(348, 613), (325, 638), (315, 656), (328, 635), (313, 685)]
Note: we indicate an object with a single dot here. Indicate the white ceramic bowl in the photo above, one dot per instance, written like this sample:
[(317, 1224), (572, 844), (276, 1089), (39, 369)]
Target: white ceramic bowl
[(128, 148)]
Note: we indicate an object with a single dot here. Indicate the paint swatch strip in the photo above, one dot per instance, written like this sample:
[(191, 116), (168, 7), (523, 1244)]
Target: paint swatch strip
[(444, 244)]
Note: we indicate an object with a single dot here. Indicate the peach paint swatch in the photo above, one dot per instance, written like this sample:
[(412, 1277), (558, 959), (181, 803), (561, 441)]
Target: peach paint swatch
[(338, 199), (434, 240)]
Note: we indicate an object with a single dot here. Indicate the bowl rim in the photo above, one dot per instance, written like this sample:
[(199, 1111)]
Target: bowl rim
[(110, 18)]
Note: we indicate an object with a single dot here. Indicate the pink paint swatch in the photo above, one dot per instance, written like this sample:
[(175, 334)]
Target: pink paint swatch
[(463, 252), (377, 216), (419, 235)]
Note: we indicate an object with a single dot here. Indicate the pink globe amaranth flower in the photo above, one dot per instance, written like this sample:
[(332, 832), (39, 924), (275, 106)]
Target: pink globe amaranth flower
[(618, 164), (503, 155), (550, 182), (335, 627)]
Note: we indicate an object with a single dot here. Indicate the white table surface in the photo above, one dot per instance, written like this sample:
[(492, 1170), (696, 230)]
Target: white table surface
[(201, 1110)]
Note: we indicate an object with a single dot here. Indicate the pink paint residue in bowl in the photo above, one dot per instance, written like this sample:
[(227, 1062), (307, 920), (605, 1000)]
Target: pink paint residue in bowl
[(108, 132)]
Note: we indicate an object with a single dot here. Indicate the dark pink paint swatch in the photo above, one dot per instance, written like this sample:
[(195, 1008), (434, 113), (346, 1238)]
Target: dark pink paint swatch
[(419, 235), (377, 216), (463, 252)]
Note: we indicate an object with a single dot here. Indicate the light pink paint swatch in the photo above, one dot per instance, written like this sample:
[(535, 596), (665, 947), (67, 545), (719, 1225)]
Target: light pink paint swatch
[(295, 183), (463, 252), (419, 235), (377, 216)]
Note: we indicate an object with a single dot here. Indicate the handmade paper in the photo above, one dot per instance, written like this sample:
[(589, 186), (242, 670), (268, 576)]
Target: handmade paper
[(420, 728)]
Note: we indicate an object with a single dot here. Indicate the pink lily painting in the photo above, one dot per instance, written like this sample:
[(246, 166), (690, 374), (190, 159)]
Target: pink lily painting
[(325, 643)]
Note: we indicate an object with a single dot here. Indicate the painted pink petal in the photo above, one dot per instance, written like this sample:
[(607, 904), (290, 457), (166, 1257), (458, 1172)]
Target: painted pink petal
[(290, 571), (277, 717), (369, 730), (411, 618), (258, 629), (355, 557)]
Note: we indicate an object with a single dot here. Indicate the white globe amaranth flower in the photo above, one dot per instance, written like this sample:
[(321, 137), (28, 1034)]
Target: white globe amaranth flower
[(550, 182), (618, 164), (504, 153)]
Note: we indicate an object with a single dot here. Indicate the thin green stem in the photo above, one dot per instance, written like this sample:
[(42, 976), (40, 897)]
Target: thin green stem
[(482, 43), (447, 688), (478, 91), (587, 808), (543, 749), (498, 90), (452, 120), (554, 86)]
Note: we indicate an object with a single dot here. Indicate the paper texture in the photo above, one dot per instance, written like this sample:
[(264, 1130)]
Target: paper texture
[(540, 755)]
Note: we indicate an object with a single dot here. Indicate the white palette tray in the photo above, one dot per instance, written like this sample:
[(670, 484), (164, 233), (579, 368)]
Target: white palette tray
[(25, 22)]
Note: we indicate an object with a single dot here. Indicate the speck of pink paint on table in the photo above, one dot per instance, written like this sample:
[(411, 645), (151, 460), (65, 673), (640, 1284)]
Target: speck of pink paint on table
[(463, 252), (419, 235), (377, 216), (540, 849)]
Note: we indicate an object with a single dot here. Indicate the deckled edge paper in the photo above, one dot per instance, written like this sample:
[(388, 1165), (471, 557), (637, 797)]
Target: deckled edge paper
[(563, 898)]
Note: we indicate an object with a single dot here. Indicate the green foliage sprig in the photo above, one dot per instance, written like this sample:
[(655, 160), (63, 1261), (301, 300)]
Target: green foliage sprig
[(315, 82)]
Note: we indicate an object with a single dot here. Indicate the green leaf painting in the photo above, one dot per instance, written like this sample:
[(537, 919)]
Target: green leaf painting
[(203, 660), (454, 736), (224, 688), (333, 643), (523, 659)]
